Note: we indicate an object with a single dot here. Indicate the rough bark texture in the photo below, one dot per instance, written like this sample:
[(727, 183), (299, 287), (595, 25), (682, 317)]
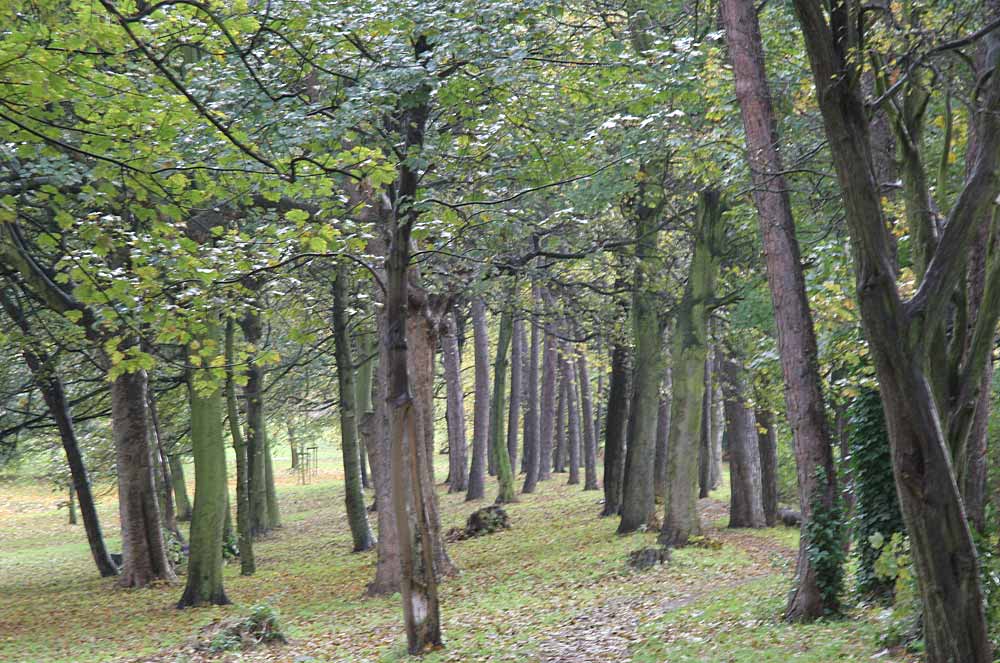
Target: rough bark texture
[(767, 444), (614, 430), (354, 499), (746, 507), (796, 338), (943, 551), (451, 358), (689, 351), (144, 554), (203, 585), (531, 435), (481, 406)]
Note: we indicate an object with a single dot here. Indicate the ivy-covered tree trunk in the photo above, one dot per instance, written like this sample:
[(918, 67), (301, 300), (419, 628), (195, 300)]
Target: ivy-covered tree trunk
[(638, 507), (614, 430), (481, 405), (144, 553), (796, 338), (505, 475), (256, 431), (688, 354), (181, 500), (248, 563), (204, 570), (589, 433), (746, 507), (531, 433), (767, 445), (517, 344), (458, 478), (354, 499)]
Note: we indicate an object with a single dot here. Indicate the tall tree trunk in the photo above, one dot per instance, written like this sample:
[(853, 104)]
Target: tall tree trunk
[(688, 354), (746, 507), (248, 563), (942, 547), (458, 478), (548, 398), (589, 434), (796, 338), (614, 430), (481, 406), (256, 431), (638, 507), (376, 423), (531, 434), (367, 344), (163, 467), (559, 438), (270, 491), (718, 426), (354, 499), (204, 572), (573, 422), (516, 391), (767, 444), (144, 553), (498, 444), (179, 483), (705, 444), (662, 438)]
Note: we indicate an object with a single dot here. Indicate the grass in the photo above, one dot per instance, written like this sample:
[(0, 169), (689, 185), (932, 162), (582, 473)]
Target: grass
[(556, 583)]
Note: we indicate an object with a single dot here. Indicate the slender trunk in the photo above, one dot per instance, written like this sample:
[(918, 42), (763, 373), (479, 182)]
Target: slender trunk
[(71, 505), (367, 347), (248, 564), (354, 498), (546, 422), (457, 453), (387, 569), (689, 351), (614, 430), (256, 432), (204, 571), (179, 483), (796, 338), (481, 406), (293, 445), (705, 444), (589, 434), (559, 453), (270, 491), (662, 438), (573, 424), (531, 433), (746, 504), (160, 460), (505, 475), (767, 443), (718, 427), (516, 390), (144, 553)]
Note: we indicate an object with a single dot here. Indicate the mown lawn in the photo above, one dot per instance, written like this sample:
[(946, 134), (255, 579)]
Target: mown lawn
[(555, 587)]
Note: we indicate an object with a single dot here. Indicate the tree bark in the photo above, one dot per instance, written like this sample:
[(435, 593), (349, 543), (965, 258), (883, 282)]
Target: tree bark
[(767, 444), (531, 434), (516, 391), (204, 572), (162, 464), (354, 499), (376, 423), (458, 479), (796, 338), (256, 431), (248, 563), (589, 434), (559, 438), (662, 438), (705, 444), (614, 430), (177, 480), (573, 423), (746, 507), (548, 398), (505, 475), (481, 406)]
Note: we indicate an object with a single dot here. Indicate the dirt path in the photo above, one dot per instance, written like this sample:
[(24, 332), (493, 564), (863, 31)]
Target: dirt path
[(607, 631)]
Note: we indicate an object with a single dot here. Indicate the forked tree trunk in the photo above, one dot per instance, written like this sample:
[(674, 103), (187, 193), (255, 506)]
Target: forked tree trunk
[(481, 406), (458, 478), (746, 507), (796, 338), (614, 430), (204, 571), (354, 499), (688, 354)]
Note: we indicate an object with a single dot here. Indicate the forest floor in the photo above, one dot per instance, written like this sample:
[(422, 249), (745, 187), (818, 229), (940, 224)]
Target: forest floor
[(553, 588)]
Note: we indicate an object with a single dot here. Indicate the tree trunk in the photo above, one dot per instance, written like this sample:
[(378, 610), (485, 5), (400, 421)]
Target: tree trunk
[(354, 499), (638, 506), (718, 427), (162, 465), (589, 434), (796, 338), (689, 351), (705, 444), (181, 499), (376, 423), (71, 506), (505, 475), (458, 479), (248, 563), (204, 571), (531, 434), (559, 438), (516, 391), (573, 423), (614, 430), (746, 504), (662, 438), (548, 398), (144, 553), (256, 432), (481, 406), (273, 514), (767, 441)]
